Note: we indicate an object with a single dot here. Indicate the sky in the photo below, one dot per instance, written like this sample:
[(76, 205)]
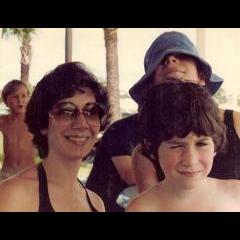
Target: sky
[(222, 51)]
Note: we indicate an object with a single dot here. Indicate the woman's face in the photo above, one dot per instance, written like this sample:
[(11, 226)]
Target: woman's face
[(74, 124), (186, 161)]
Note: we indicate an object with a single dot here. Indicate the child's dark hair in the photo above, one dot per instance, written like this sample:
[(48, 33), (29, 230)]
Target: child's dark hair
[(11, 87), (63, 82), (176, 109)]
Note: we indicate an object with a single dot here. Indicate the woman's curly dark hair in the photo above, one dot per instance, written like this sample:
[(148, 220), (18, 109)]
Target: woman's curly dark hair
[(176, 108), (63, 82)]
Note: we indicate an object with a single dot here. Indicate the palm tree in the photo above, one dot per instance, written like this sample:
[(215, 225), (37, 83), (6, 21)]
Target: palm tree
[(25, 36), (111, 41)]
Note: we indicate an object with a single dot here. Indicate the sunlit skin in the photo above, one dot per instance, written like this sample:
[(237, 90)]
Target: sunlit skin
[(18, 148)]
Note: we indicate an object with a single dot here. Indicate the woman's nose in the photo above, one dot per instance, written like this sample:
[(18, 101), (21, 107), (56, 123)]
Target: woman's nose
[(80, 121)]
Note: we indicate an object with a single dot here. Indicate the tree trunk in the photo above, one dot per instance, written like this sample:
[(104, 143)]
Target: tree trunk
[(111, 41), (25, 73), (68, 44), (26, 56), (201, 41)]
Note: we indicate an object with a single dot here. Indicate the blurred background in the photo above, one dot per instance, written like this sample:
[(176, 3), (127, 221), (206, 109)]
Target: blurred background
[(115, 56)]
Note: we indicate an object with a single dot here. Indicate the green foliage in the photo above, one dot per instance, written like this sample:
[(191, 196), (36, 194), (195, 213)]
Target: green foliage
[(21, 33), (221, 96), (238, 100)]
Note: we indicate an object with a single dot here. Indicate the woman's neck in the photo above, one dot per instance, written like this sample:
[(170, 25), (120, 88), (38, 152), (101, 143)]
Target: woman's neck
[(62, 173)]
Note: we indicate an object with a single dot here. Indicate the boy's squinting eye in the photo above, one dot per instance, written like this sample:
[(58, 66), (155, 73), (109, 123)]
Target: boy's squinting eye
[(176, 145), (202, 144)]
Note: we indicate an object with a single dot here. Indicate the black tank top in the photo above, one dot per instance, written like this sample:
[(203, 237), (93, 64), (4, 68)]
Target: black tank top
[(44, 200), (226, 165)]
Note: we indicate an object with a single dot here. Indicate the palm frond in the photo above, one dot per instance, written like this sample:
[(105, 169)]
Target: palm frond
[(21, 33)]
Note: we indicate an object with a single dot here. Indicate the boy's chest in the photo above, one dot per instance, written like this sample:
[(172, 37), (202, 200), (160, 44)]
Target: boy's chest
[(15, 129)]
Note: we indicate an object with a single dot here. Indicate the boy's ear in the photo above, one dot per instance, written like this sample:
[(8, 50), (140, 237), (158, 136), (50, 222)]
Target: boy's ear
[(202, 82), (44, 131)]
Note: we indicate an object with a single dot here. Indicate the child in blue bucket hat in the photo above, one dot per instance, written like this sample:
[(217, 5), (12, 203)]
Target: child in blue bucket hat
[(117, 165), (173, 43)]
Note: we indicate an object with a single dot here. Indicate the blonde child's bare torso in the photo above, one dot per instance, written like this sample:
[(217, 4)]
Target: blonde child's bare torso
[(18, 150)]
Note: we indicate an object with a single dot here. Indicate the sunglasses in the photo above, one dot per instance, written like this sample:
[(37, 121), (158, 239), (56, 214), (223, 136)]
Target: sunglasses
[(67, 111)]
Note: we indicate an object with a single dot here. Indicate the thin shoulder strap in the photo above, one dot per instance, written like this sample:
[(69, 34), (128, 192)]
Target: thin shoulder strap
[(44, 200), (88, 198), (228, 118)]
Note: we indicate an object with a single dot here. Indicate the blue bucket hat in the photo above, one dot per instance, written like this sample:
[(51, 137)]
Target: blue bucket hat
[(167, 43)]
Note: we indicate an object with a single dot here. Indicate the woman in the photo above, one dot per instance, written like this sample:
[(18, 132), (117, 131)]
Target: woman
[(67, 110), (181, 131)]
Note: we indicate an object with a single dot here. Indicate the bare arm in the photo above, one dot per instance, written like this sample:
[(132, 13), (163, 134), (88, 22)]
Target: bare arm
[(144, 170), (123, 165), (236, 119)]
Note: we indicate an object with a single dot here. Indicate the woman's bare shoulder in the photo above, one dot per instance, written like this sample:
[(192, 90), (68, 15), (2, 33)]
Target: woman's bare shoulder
[(96, 201), (18, 193)]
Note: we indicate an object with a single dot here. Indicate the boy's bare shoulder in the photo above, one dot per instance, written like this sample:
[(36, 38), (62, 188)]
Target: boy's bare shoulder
[(235, 186), (135, 205), (142, 202), (231, 187)]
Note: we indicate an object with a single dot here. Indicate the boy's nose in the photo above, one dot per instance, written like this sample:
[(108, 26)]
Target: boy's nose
[(171, 60), (189, 157)]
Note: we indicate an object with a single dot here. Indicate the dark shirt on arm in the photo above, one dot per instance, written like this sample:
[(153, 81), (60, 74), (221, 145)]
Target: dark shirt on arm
[(226, 164), (118, 140)]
